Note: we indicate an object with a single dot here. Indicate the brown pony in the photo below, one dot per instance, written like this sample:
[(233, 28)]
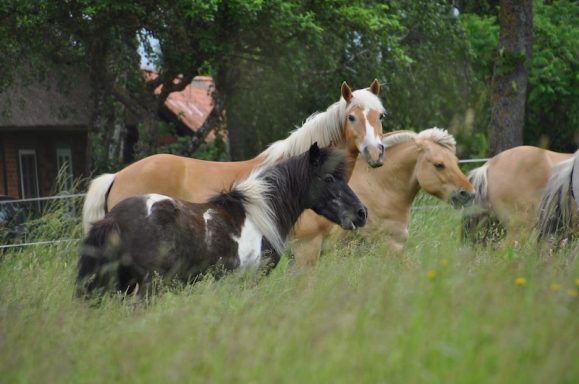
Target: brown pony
[(509, 188), (414, 161), (559, 207), (352, 123)]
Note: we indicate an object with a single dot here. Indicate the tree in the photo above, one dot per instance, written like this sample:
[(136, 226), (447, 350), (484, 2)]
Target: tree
[(510, 75)]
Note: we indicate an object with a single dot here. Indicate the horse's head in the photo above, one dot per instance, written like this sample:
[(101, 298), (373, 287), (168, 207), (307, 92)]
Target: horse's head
[(329, 194), (438, 172), (363, 122)]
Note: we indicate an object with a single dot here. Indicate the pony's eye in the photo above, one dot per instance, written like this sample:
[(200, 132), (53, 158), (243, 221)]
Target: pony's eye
[(382, 116), (352, 118), (329, 179), (439, 165)]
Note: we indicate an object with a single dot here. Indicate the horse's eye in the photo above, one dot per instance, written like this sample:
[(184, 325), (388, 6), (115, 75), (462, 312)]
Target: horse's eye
[(329, 179), (352, 118), (439, 165), (382, 116)]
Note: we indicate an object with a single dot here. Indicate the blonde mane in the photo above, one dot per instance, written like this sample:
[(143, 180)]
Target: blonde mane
[(325, 128), (437, 135)]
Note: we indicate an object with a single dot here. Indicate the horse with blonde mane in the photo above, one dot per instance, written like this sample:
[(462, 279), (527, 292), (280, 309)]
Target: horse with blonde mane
[(353, 123), (425, 160), (559, 207), (509, 188)]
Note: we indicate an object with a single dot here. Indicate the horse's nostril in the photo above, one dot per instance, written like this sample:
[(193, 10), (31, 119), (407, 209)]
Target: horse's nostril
[(362, 213), (464, 193)]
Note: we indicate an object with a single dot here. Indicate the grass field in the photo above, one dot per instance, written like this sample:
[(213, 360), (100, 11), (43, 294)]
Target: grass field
[(438, 314)]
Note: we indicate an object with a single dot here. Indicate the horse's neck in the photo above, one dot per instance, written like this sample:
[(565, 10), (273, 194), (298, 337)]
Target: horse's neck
[(391, 189), (288, 201)]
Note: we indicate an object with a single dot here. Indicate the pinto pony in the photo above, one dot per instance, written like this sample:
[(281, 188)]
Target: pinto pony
[(156, 234), (559, 207), (509, 188), (352, 123), (414, 161)]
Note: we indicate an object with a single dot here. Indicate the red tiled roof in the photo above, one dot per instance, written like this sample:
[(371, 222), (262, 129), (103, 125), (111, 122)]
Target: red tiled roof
[(193, 104)]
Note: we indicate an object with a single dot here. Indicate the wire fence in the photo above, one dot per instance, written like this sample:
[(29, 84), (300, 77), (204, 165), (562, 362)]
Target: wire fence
[(36, 207)]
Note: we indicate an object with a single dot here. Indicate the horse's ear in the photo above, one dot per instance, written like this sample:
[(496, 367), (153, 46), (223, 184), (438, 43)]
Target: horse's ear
[(375, 87), (346, 92), (315, 154)]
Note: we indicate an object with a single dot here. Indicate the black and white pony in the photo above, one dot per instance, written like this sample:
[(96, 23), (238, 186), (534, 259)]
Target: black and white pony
[(559, 208), (247, 226)]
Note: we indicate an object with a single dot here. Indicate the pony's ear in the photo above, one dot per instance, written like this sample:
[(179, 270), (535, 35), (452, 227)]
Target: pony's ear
[(346, 92), (315, 154), (375, 87)]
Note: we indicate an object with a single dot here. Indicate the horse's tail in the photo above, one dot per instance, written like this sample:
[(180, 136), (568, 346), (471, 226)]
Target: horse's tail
[(479, 180), (477, 220), (555, 215), (99, 256), (94, 207)]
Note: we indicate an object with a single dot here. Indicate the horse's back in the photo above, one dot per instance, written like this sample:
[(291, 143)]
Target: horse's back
[(516, 180), (176, 176)]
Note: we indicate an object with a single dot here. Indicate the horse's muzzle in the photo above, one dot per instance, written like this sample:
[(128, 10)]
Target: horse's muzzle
[(374, 155), (351, 222), (461, 198)]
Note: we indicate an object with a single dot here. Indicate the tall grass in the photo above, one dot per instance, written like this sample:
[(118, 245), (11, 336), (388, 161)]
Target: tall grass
[(439, 313)]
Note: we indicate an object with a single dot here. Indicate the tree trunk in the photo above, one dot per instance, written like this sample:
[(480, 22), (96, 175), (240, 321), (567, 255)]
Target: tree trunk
[(510, 75)]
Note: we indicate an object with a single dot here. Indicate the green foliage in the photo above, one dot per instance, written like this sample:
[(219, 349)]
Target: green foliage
[(551, 114)]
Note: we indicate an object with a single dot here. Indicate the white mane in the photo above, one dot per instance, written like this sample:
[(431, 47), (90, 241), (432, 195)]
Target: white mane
[(437, 135), (322, 127), (255, 190)]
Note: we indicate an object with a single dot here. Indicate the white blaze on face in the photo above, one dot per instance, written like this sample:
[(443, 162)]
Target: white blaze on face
[(153, 198), (249, 245), (370, 139)]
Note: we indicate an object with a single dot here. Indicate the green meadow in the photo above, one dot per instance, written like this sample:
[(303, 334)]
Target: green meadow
[(440, 313)]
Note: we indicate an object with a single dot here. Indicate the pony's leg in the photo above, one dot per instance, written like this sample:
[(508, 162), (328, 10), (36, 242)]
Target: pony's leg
[(307, 251)]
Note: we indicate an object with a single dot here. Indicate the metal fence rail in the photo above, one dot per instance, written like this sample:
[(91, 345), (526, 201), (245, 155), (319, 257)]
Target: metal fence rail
[(81, 195)]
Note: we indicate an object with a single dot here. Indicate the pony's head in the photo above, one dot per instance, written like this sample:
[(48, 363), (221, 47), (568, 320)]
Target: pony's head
[(437, 168), (362, 128), (329, 194)]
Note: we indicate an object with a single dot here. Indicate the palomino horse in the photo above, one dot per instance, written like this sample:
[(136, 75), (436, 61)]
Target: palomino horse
[(424, 160), (559, 207), (156, 234), (352, 123), (509, 188)]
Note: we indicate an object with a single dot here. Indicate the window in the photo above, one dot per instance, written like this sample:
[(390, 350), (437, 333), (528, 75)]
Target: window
[(28, 173), (65, 176)]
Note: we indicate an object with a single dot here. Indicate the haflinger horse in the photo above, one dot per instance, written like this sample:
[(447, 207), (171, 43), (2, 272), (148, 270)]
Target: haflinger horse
[(559, 207), (352, 123), (509, 188), (148, 235), (414, 161)]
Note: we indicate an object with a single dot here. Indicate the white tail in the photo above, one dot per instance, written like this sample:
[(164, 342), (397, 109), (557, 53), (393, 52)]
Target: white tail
[(555, 212), (94, 207), (478, 179)]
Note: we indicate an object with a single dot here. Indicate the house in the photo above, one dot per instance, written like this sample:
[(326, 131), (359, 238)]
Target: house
[(43, 129)]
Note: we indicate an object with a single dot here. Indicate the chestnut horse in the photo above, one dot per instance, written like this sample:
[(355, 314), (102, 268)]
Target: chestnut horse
[(559, 207), (352, 123), (246, 227), (414, 161), (509, 188)]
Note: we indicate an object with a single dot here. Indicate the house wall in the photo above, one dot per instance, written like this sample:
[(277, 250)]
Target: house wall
[(46, 145)]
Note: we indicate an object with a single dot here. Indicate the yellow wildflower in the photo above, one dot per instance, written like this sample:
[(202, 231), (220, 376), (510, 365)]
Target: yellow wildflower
[(444, 263), (577, 282), (431, 275), (555, 287), (520, 281), (572, 292)]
